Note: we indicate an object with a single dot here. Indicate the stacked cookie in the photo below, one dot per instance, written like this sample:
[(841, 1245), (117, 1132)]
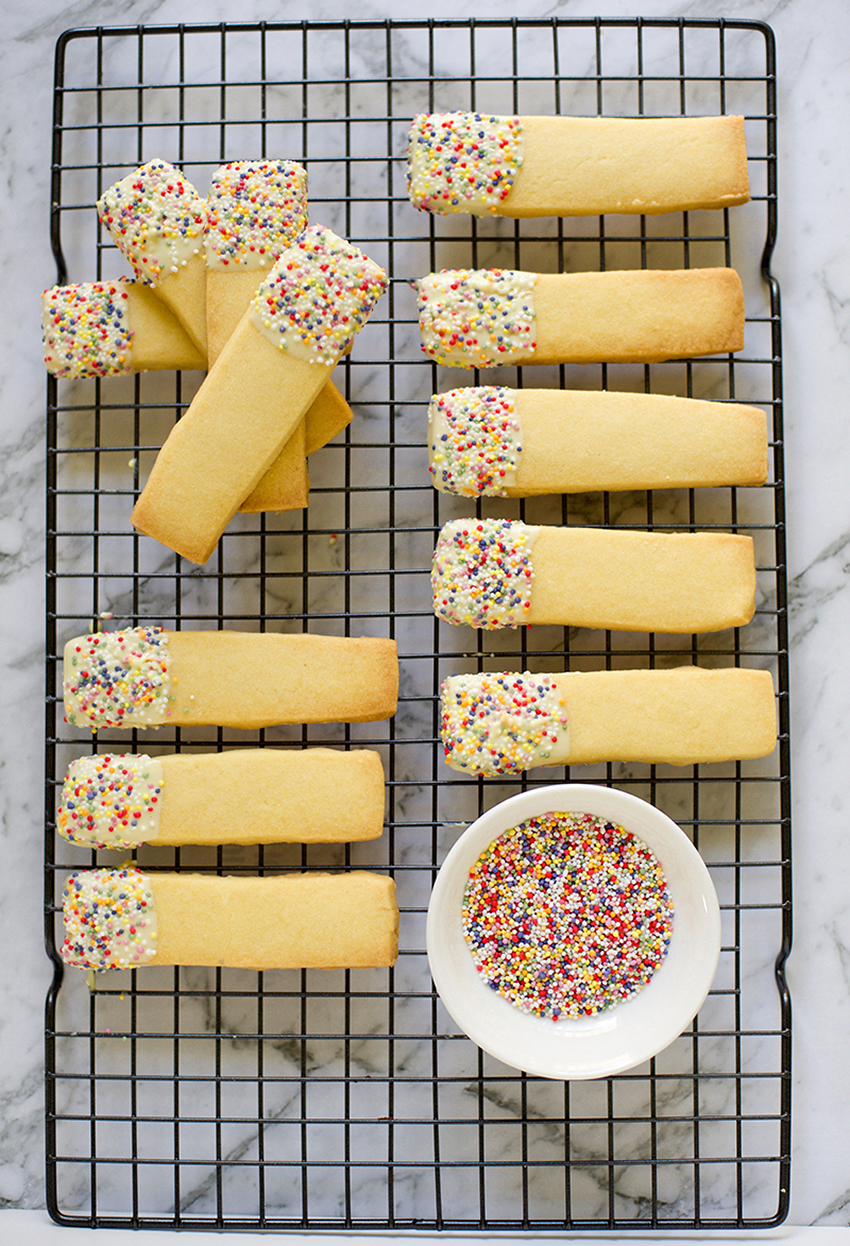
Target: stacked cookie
[(201, 267)]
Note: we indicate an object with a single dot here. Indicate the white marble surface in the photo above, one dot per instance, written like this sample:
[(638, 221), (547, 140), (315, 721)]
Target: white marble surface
[(812, 262), (38, 1230)]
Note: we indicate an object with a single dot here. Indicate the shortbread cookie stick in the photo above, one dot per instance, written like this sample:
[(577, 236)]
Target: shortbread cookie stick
[(285, 486), (328, 415), (575, 166), (112, 328), (121, 919), (147, 677), (116, 328), (306, 313), (279, 486), (493, 573), (256, 209), (157, 221), (491, 441), (244, 796), (480, 318), (505, 723), (120, 327)]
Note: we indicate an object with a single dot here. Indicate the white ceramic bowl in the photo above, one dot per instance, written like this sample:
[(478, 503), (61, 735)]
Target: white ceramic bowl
[(620, 1037)]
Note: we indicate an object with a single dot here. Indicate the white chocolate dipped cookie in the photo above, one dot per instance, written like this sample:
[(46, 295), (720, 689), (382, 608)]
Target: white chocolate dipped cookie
[(112, 328), (306, 313), (117, 328), (493, 573), (512, 166), (157, 221), (241, 796), (508, 722), (481, 318), (124, 918), (256, 210), (149, 677), (493, 441)]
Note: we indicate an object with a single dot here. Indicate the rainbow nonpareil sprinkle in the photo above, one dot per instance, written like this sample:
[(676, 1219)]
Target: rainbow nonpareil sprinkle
[(474, 441), (462, 161), (567, 915), (476, 318), (318, 296), (481, 572), (503, 723), (111, 800), (110, 919), (257, 208), (87, 330), (156, 218), (118, 679)]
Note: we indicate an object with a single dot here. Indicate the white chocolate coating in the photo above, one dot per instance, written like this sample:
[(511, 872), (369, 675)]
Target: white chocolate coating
[(156, 218), (503, 723), (111, 801), (481, 572), (477, 317), (110, 919), (118, 679), (474, 441), (317, 297), (87, 330), (257, 208), (462, 161)]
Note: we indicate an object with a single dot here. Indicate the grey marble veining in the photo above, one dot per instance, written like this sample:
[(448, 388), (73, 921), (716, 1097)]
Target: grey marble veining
[(811, 262)]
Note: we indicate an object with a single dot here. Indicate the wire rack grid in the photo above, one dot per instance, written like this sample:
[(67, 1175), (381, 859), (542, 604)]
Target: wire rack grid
[(223, 1099)]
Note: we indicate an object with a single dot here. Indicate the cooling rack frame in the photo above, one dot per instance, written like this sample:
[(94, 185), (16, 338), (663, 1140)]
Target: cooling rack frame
[(319, 1100)]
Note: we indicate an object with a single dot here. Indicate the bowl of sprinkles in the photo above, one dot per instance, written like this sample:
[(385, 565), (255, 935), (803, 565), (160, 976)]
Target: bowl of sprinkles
[(573, 931)]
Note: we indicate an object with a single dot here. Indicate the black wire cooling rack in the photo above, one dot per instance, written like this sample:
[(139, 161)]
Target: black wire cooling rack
[(225, 1099)]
